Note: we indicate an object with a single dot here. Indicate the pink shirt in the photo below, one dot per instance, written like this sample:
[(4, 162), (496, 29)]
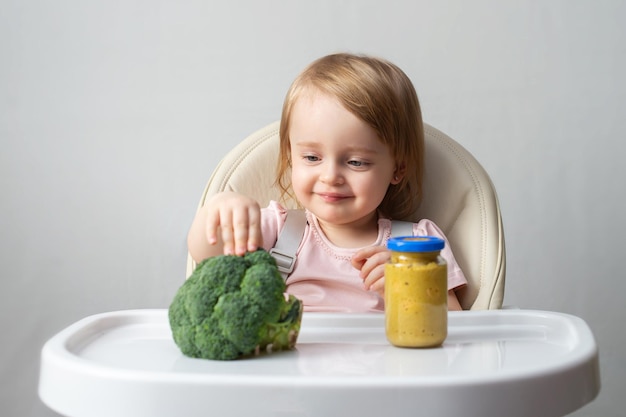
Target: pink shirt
[(323, 277)]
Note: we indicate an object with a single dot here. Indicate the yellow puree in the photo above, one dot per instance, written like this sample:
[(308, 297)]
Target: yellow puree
[(416, 301)]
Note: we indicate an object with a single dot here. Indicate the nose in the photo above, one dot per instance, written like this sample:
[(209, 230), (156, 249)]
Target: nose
[(331, 174)]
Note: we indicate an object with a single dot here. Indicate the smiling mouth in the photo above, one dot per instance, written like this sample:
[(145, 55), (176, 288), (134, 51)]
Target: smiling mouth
[(332, 198)]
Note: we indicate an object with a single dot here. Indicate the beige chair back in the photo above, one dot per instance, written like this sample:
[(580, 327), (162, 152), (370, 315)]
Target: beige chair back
[(458, 196)]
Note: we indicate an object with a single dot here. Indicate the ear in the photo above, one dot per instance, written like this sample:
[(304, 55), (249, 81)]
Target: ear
[(398, 174)]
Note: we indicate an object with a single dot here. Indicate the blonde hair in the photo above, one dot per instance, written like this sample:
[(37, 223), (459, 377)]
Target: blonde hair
[(380, 94)]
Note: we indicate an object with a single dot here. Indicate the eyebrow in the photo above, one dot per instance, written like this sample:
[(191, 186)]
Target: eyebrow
[(360, 149)]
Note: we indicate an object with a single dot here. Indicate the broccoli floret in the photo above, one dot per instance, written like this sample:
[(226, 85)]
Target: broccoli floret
[(233, 306)]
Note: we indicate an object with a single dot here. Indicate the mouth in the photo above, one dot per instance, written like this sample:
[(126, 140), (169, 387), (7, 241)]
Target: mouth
[(333, 197)]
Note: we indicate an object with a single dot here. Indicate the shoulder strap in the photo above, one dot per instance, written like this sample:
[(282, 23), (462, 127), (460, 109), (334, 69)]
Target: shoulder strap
[(401, 228), (284, 251)]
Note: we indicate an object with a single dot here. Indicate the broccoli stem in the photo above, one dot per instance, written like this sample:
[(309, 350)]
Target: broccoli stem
[(284, 333)]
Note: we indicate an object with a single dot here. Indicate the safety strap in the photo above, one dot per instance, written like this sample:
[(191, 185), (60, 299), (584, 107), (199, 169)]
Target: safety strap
[(284, 251), (288, 242), (401, 228)]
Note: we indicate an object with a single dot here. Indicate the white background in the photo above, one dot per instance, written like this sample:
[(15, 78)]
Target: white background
[(114, 113)]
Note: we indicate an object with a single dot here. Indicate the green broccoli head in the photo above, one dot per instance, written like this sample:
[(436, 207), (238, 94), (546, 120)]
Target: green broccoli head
[(233, 306)]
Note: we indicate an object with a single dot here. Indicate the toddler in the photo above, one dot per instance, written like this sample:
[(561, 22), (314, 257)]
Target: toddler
[(351, 155)]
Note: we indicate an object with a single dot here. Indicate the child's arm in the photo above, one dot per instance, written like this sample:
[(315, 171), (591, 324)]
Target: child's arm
[(453, 302), (228, 223)]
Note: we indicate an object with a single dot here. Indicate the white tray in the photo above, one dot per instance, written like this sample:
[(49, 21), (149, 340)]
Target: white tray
[(493, 363)]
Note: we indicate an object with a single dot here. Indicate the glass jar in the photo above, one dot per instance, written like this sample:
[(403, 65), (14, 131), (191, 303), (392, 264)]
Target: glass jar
[(416, 292)]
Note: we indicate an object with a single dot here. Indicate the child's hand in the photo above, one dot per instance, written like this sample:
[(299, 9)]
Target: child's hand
[(371, 262), (239, 218)]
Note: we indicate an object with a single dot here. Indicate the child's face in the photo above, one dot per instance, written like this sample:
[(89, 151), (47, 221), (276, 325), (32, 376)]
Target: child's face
[(340, 168)]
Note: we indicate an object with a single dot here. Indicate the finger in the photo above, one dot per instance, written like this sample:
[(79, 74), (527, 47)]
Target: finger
[(375, 275), (211, 224), (365, 253), (379, 286), (357, 262), (359, 258), (240, 231), (255, 237), (374, 261), (226, 224)]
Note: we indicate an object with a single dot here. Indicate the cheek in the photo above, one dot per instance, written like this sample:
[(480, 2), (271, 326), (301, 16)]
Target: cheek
[(374, 182), (298, 179), (374, 187)]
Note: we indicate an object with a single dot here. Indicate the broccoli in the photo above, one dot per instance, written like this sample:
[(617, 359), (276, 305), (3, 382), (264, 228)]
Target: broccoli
[(233, 306)]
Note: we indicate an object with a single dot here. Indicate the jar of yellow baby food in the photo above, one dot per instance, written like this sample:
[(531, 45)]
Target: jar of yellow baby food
[(416, 292)]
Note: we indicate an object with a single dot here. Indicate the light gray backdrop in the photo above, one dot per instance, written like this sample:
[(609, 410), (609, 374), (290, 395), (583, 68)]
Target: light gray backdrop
[(114, 113)]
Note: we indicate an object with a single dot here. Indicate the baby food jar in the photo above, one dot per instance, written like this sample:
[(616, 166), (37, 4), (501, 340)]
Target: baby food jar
[(416, 292)]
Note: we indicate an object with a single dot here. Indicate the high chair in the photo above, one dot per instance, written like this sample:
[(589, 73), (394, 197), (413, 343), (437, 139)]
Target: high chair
[(458, 196), (494, 362)]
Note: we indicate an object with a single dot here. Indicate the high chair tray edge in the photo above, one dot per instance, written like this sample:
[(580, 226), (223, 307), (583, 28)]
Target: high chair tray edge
[(493, 363)]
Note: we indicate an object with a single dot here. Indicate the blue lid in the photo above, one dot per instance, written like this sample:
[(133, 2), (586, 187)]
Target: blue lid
[(415, 244)]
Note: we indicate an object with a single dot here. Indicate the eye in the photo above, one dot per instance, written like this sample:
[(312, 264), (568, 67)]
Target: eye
[(358, 164), (311, 158)]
